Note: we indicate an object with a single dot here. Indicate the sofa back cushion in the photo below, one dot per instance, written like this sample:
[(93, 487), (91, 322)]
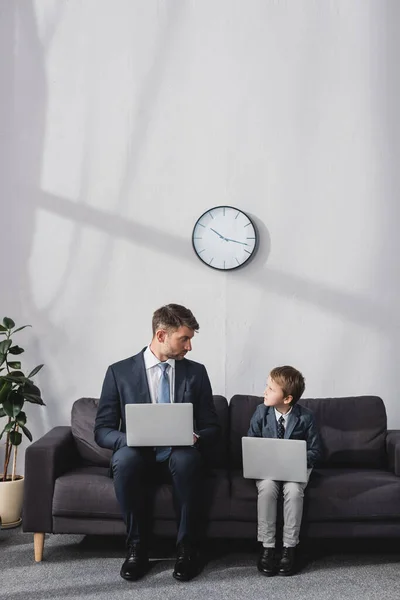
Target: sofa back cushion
[(217, 457), (241, 409), (82, 425), (352, 429)]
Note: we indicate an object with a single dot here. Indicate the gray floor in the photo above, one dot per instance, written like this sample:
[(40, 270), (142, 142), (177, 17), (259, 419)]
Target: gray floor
[(81, 567)]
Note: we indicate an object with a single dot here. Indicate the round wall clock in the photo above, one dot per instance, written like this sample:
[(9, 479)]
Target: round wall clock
[(224, 238)]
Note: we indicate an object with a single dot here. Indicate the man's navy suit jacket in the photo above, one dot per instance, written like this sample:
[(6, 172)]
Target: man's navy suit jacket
[(300, 426), (126, 383)]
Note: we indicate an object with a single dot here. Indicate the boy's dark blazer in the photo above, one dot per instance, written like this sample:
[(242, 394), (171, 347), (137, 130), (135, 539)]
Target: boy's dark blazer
[(126, 383), (300, 426)]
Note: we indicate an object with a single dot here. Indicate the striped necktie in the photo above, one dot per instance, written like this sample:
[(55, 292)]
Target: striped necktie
[(281, 428), (164, 397)]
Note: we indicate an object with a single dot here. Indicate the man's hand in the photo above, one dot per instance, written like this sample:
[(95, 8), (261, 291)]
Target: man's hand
[(195, 439)]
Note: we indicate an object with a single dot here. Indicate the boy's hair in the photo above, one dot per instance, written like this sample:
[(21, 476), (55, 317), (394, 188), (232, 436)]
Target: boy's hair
[(173, 316), (290, 380)]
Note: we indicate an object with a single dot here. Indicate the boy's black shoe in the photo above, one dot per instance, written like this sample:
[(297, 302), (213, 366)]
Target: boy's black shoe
[(287, 562), (136, 563), (188, 563), (266, 562)]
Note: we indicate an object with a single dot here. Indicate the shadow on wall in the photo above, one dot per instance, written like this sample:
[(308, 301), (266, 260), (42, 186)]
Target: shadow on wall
[(22, 125), (387, 107), (353, 307), (23, 113), (80, 213)]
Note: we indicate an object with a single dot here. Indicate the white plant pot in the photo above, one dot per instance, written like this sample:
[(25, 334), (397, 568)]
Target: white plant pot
[(11, 498)]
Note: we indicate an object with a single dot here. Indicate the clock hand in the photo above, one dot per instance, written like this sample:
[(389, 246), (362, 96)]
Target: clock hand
[(236, 241), (221, 236)]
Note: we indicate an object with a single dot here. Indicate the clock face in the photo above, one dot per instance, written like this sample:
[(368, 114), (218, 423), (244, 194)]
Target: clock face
[(224, 238)]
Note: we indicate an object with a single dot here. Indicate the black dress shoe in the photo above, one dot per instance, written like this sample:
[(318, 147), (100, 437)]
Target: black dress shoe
[(136, 563), (266, 562), (287, 562), (187, 563)]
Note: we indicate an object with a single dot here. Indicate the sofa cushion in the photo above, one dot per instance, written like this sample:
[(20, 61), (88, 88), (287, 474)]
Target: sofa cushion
[(217, 457), (82, 425), (88, 492), (352, 495), (241, 410), (85, 492), (331, 495), (244, 498), (83, 415), (352, 429)]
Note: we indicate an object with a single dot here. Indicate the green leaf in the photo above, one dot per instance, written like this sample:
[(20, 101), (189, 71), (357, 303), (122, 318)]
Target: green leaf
[(15, 438), (15, 374), (9, 323), (16, 350), (5, 389), (21, 328), (33, 399), (21, 418), (21, 379), (3, 329), (15, 364), (35, 370), (31, 388), (4, 346), (27, 433), (2, 412), (2, 358), (13, 404)]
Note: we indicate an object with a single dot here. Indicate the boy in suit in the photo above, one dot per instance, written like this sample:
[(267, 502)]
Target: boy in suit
[(159, 373), (281, 417)]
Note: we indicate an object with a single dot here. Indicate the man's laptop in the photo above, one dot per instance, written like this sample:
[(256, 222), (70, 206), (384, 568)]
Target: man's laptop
[(272, 458), (159, 424)]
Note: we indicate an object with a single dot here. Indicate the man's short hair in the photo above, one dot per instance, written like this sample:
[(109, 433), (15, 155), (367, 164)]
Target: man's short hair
[(173, 316), (290, 380)]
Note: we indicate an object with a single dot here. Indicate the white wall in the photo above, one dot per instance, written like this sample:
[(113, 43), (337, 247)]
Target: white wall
[(122, 121)]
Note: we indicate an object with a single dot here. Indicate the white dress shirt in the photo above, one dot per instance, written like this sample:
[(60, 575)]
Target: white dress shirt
[(153, 374)]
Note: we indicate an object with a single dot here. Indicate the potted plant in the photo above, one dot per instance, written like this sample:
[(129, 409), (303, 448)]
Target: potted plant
[(15, 390)]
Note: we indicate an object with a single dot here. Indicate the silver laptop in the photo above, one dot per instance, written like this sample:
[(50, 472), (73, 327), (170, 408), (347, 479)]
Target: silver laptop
[(272, 458), (159, 424)]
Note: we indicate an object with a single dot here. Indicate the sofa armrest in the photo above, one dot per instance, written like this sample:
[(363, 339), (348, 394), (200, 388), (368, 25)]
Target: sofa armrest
[(45, 460), (393, 450)]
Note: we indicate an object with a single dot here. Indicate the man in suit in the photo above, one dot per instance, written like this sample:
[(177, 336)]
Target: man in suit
[(159, 373)]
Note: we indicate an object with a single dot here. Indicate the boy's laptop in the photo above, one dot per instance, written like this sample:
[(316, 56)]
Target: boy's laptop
[(272, 458), (159, 424)]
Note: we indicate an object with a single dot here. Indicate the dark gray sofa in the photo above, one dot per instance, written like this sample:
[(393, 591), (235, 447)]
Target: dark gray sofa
[(354, 492)]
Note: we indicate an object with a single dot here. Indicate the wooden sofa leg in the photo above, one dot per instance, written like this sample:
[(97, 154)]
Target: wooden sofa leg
[(38, 543)]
